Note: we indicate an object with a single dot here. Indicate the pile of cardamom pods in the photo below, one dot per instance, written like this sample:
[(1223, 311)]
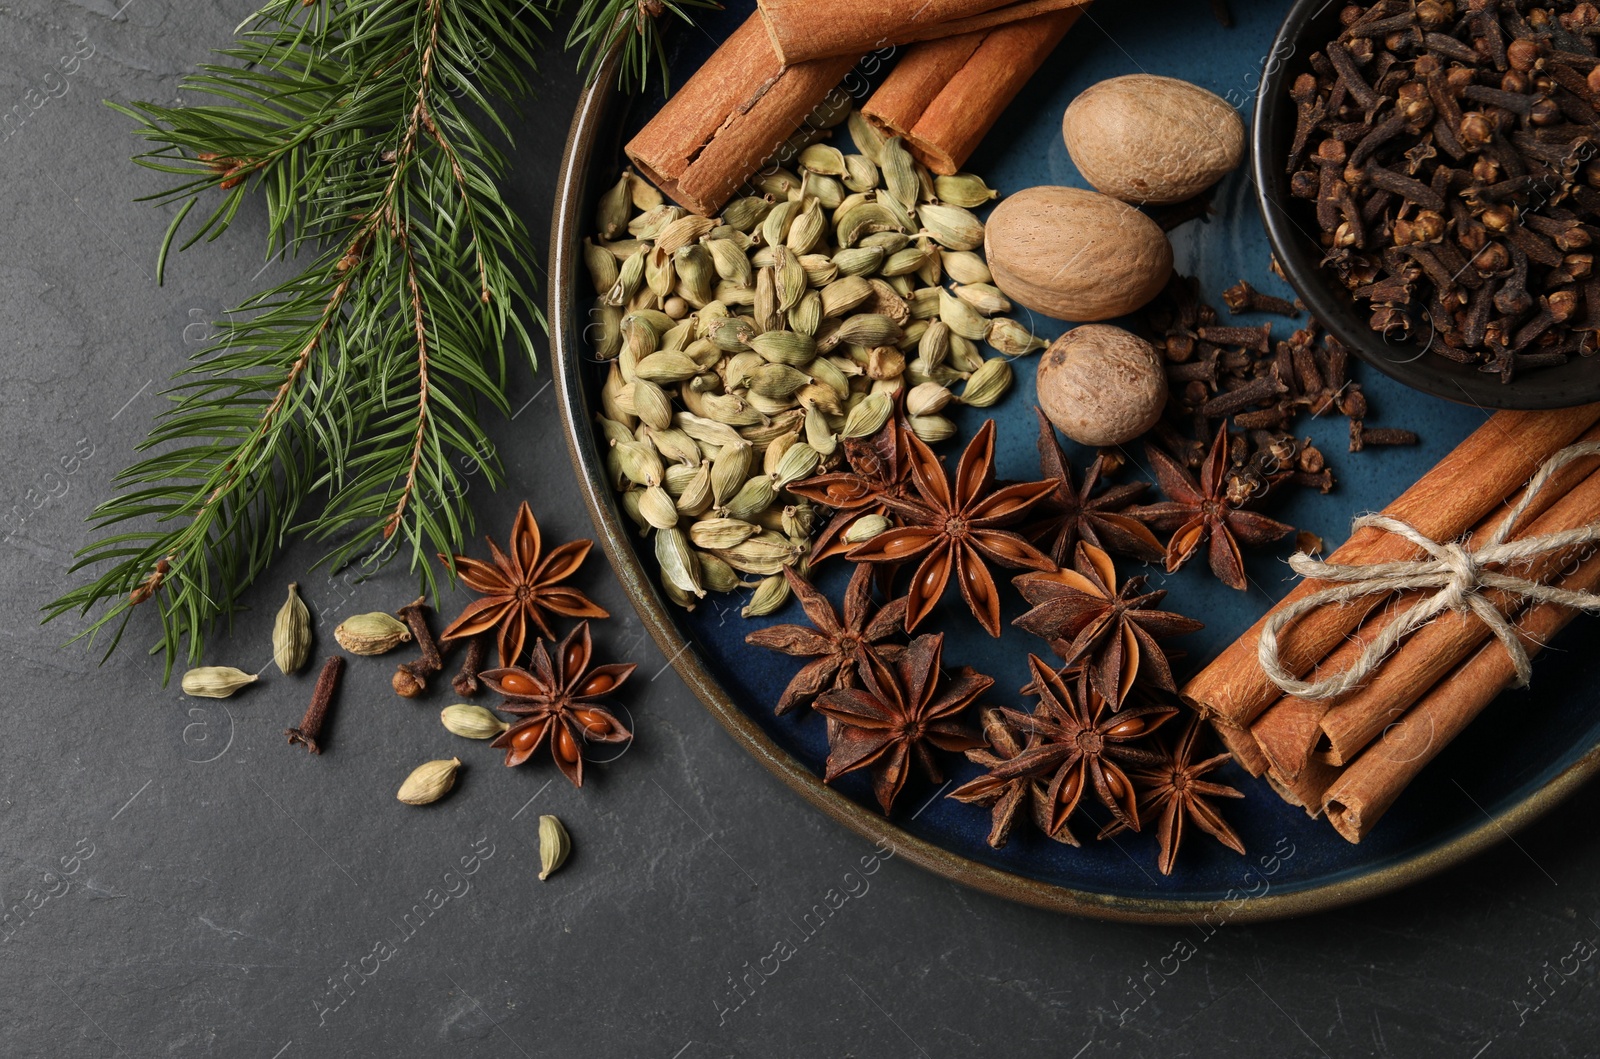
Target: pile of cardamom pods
[(742, 348)]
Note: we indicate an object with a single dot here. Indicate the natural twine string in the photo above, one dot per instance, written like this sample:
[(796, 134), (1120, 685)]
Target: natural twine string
[(1459, 574)]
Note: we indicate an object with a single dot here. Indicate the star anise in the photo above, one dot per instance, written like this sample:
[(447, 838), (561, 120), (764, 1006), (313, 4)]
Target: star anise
[(1175, 790), (957, 528), (903, 710), (1201, 512), (518, 589), (1072, 513), (1110, 631), (1006, 798), (1080, 744), (560, 698), (832, 640), (878, 468)]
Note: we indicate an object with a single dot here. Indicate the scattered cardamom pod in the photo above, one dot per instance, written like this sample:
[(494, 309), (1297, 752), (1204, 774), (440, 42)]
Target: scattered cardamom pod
[(215, 682), (429, 782), (291, 632), (471, 722), (554, 846), (371, 634)]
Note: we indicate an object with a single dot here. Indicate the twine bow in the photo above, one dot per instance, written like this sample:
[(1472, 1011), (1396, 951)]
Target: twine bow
[(1459, 574)]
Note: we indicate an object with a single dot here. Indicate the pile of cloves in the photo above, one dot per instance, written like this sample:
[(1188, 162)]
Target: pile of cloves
[(1217, 372), (1450, 152)]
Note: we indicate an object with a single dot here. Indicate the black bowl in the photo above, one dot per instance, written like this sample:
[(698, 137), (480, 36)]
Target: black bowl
[(1292, 230)]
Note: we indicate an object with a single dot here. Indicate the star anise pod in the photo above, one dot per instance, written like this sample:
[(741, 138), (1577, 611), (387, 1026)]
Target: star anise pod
[(520, 588), (902, 711), (1072, 512), (1006, 798), (1202, 511), (879, 468), (560, 697), (1110, 631), (1080, 744), (831, 639), (956, 528), (1175, 790)]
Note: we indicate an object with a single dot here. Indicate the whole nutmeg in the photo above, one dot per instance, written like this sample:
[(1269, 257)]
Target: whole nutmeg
[(1152, 140), (1076, 255), (1101, 385)]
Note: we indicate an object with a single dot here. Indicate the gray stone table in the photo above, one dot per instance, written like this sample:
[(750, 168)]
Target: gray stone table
[(182, 884)]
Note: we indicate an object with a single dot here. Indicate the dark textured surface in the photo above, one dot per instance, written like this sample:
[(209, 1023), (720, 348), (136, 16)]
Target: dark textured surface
[(221, 882)]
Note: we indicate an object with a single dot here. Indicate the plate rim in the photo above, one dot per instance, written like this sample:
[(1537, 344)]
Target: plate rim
[(567, 229)]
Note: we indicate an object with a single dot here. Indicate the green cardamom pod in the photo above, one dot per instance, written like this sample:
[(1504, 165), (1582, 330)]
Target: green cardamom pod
[(216, 682), (868, 417), (808, 228), (770, 594), (858, 260), (820, 269), (611, 214), (953, 227), (658, 508), (790, 279), (927, 398), (963, 189), (799, 461), (963, 319), (785, 347), (964, 266), (806, 318), (754, 497), (851, 226), (729, 471), (471, 722), (291, 633), (606, 319), (429, 782), (865, 528), (775, 229), (1012, 338), (746, 213), (819, 435), (904, 262), (642, 192), (601, 265), (716, 574), (679, 567), (628, 278), (665, 368), (371, 634), (863, 329), (827, 190), (715, 534), (824, 159), (860, 174), (682, 232), (988, 384), (931, 429), (554, 846), (648, 224), (827, 373), (695, 273), (776, 380), (846, 293), (984, 297), (731, 263), (651, 404), (866, 136), (696, 496), (899, 172)]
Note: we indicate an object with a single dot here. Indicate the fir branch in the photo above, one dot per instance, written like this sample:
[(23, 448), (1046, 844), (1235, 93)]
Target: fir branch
[(368, 130), (632, 27)]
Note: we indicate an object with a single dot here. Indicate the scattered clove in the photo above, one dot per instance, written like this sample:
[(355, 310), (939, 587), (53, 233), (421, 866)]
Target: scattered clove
[(310, 727)]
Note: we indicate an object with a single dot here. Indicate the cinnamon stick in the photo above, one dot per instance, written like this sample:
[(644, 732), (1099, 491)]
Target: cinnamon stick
[(1307, 789), (1493, 461), (1436, 648), (730, 117), (800, 30), (1370, 784), (944, 95), (1291, 729), (1242, 746)]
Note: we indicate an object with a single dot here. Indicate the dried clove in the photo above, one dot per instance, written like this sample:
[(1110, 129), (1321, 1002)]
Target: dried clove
[(310, 727), (411, 678)]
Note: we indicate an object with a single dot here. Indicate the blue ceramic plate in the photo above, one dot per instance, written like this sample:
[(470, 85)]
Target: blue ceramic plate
[(1521, 756)]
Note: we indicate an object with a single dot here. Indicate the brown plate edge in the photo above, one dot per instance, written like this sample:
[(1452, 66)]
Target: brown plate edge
[(566, 233)]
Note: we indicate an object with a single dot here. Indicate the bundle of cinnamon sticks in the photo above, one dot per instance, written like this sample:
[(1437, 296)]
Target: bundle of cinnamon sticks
[(1350, 757), (765, 90)]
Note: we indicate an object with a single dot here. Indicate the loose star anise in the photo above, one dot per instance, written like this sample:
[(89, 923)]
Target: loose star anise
[(1175, 790), (561, 699), (518, 588), (1072, 513), (957, 528), (1108, 630), (1006, 798), (1079, 745), (903, 710), (832, 641), (1201, 512), (878, 468)]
